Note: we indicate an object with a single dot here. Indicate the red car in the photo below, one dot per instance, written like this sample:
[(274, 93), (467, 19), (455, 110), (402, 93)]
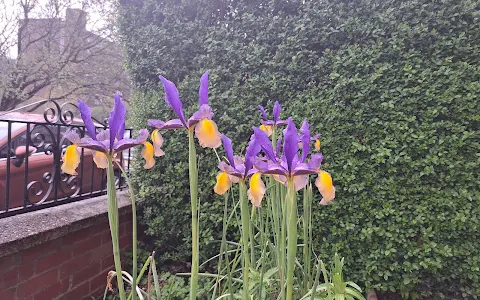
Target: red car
[(45, 181)]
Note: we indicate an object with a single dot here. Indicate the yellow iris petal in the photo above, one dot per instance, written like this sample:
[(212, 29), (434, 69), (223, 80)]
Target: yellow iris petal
[(256, 190), (223, 183), (157, 141), (207, 134), (147, 154), (71, 160), (100, 159), (325, 186), (317, 145), (267, 129)]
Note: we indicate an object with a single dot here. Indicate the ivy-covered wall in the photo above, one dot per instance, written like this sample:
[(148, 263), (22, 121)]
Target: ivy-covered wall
[(392, 86)]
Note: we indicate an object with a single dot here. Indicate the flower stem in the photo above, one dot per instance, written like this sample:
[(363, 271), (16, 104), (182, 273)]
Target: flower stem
[(245, 216), (134, 231), (193, 175), (306, 242), (113, 221), (291, 236)]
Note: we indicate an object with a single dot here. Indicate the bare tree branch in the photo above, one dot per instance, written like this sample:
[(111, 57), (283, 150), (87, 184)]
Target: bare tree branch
[(57, 57)]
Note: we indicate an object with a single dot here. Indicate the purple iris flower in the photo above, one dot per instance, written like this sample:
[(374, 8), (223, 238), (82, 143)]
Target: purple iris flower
[(108, 141), (289, 164), (238, 169), (205, 128), (237, 166), (276, 116)]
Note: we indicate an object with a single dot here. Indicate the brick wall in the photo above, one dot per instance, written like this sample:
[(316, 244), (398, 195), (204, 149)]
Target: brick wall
[(72, 266)]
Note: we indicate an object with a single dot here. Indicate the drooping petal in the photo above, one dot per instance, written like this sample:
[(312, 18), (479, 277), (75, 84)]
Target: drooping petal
[(71, 160), (300, 182), (270, 168), (173, 99), (147, 154), (267, 129), (223, 183), (129, 143), (89, 143), (157, 141), (290, 143), (257, 190), (305, 140), (227, 146), (205, 112), (224, 167), (325, 186), (100, 159), (317, 145), (262, 111), (276, 111), (172, 124), (234, 179), (203, 91), (116, 118), (86, 113), (303, 169), (207, 134), (280, 178)]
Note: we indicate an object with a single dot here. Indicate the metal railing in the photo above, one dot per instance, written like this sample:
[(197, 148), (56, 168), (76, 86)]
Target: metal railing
[(31, 150)]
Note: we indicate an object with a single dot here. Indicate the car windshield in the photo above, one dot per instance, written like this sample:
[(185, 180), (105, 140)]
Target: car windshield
[(4, 128)]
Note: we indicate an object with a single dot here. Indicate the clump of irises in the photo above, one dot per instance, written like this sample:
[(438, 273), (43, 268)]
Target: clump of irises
[(276, 151)]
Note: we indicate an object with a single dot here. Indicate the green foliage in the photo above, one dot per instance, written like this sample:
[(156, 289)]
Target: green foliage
[(392, 86), (176, 288), (334, 286)]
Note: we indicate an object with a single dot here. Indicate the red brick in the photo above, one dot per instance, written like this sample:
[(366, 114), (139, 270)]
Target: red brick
[(108, 263), (37, 283), (125, 228), (9, 262), (106, 237), (52, 291), (8, 279), (85, 274), (125, 218), (8, 294), (79, 292), (125, 241), (41, 250), (53, 260), (25, 271), (87, 245), (102, 252), (75, 264), (98, 283), (77, 236)]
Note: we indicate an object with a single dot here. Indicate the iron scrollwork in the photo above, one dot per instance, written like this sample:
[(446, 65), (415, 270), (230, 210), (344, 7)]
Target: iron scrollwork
[(47, 139)]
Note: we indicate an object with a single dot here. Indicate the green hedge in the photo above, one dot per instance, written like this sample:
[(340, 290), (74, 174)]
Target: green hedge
[(392, 86)]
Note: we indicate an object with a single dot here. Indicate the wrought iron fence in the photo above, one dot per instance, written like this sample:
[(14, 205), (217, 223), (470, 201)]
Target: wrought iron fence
[(31, 150)]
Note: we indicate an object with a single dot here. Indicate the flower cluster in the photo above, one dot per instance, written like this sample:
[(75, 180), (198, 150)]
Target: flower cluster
[(287, 161), (290, 159)]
